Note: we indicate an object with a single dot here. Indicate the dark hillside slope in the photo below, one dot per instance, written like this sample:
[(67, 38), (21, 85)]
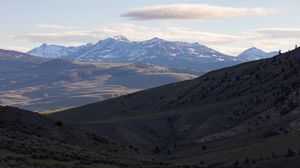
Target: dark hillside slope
[(256, 97), (31, 140)]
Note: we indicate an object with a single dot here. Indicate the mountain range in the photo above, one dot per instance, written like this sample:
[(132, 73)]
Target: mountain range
[(155, 51), (241, 116)]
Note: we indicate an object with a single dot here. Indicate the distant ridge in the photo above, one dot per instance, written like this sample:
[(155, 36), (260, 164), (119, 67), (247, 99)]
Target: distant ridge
[(120, 49), (156, 51)]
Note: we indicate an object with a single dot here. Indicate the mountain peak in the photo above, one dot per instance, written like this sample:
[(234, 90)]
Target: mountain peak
[(44, 45), (52, 51), (254, 49), (120, 38), (156, 39), (254, 53)]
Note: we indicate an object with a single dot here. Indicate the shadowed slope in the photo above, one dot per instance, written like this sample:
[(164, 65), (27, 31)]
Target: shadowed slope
[(31, 140)]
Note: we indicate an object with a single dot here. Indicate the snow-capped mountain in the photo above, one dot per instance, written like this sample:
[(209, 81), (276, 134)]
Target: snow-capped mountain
[(253, 53), (120, 49), (55, 51), (51, 51)]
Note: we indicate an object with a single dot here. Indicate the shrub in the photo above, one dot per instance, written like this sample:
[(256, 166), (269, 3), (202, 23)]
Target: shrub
[(156, 150), (247, 161), (290, 153), (236, 163), (59, 123)]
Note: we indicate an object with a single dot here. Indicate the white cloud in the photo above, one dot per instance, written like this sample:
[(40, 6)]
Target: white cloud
[(51, 26), (192, 12), (269, 39), (280, 33), (72, 37), (274, 38)]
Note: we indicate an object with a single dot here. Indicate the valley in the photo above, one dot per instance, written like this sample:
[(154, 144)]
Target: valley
[(204, 119), (201, 121), (228, 117), (149, 84)]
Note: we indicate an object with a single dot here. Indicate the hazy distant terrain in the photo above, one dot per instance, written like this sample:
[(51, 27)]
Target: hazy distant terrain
[(40, 84)]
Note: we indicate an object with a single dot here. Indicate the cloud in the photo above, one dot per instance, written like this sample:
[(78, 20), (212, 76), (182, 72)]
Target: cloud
[(269, 39), (51, 26), (274, 38), (75, 37), (94, 35), (192, 12), (278, 33), (134, 32)]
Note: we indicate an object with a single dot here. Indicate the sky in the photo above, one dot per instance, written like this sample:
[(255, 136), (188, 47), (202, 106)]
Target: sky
[(229, 26)]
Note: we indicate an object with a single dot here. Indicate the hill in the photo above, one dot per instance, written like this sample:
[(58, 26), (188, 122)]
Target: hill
[(11, 61), (19, 56), (214, 117), (30, 140)]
